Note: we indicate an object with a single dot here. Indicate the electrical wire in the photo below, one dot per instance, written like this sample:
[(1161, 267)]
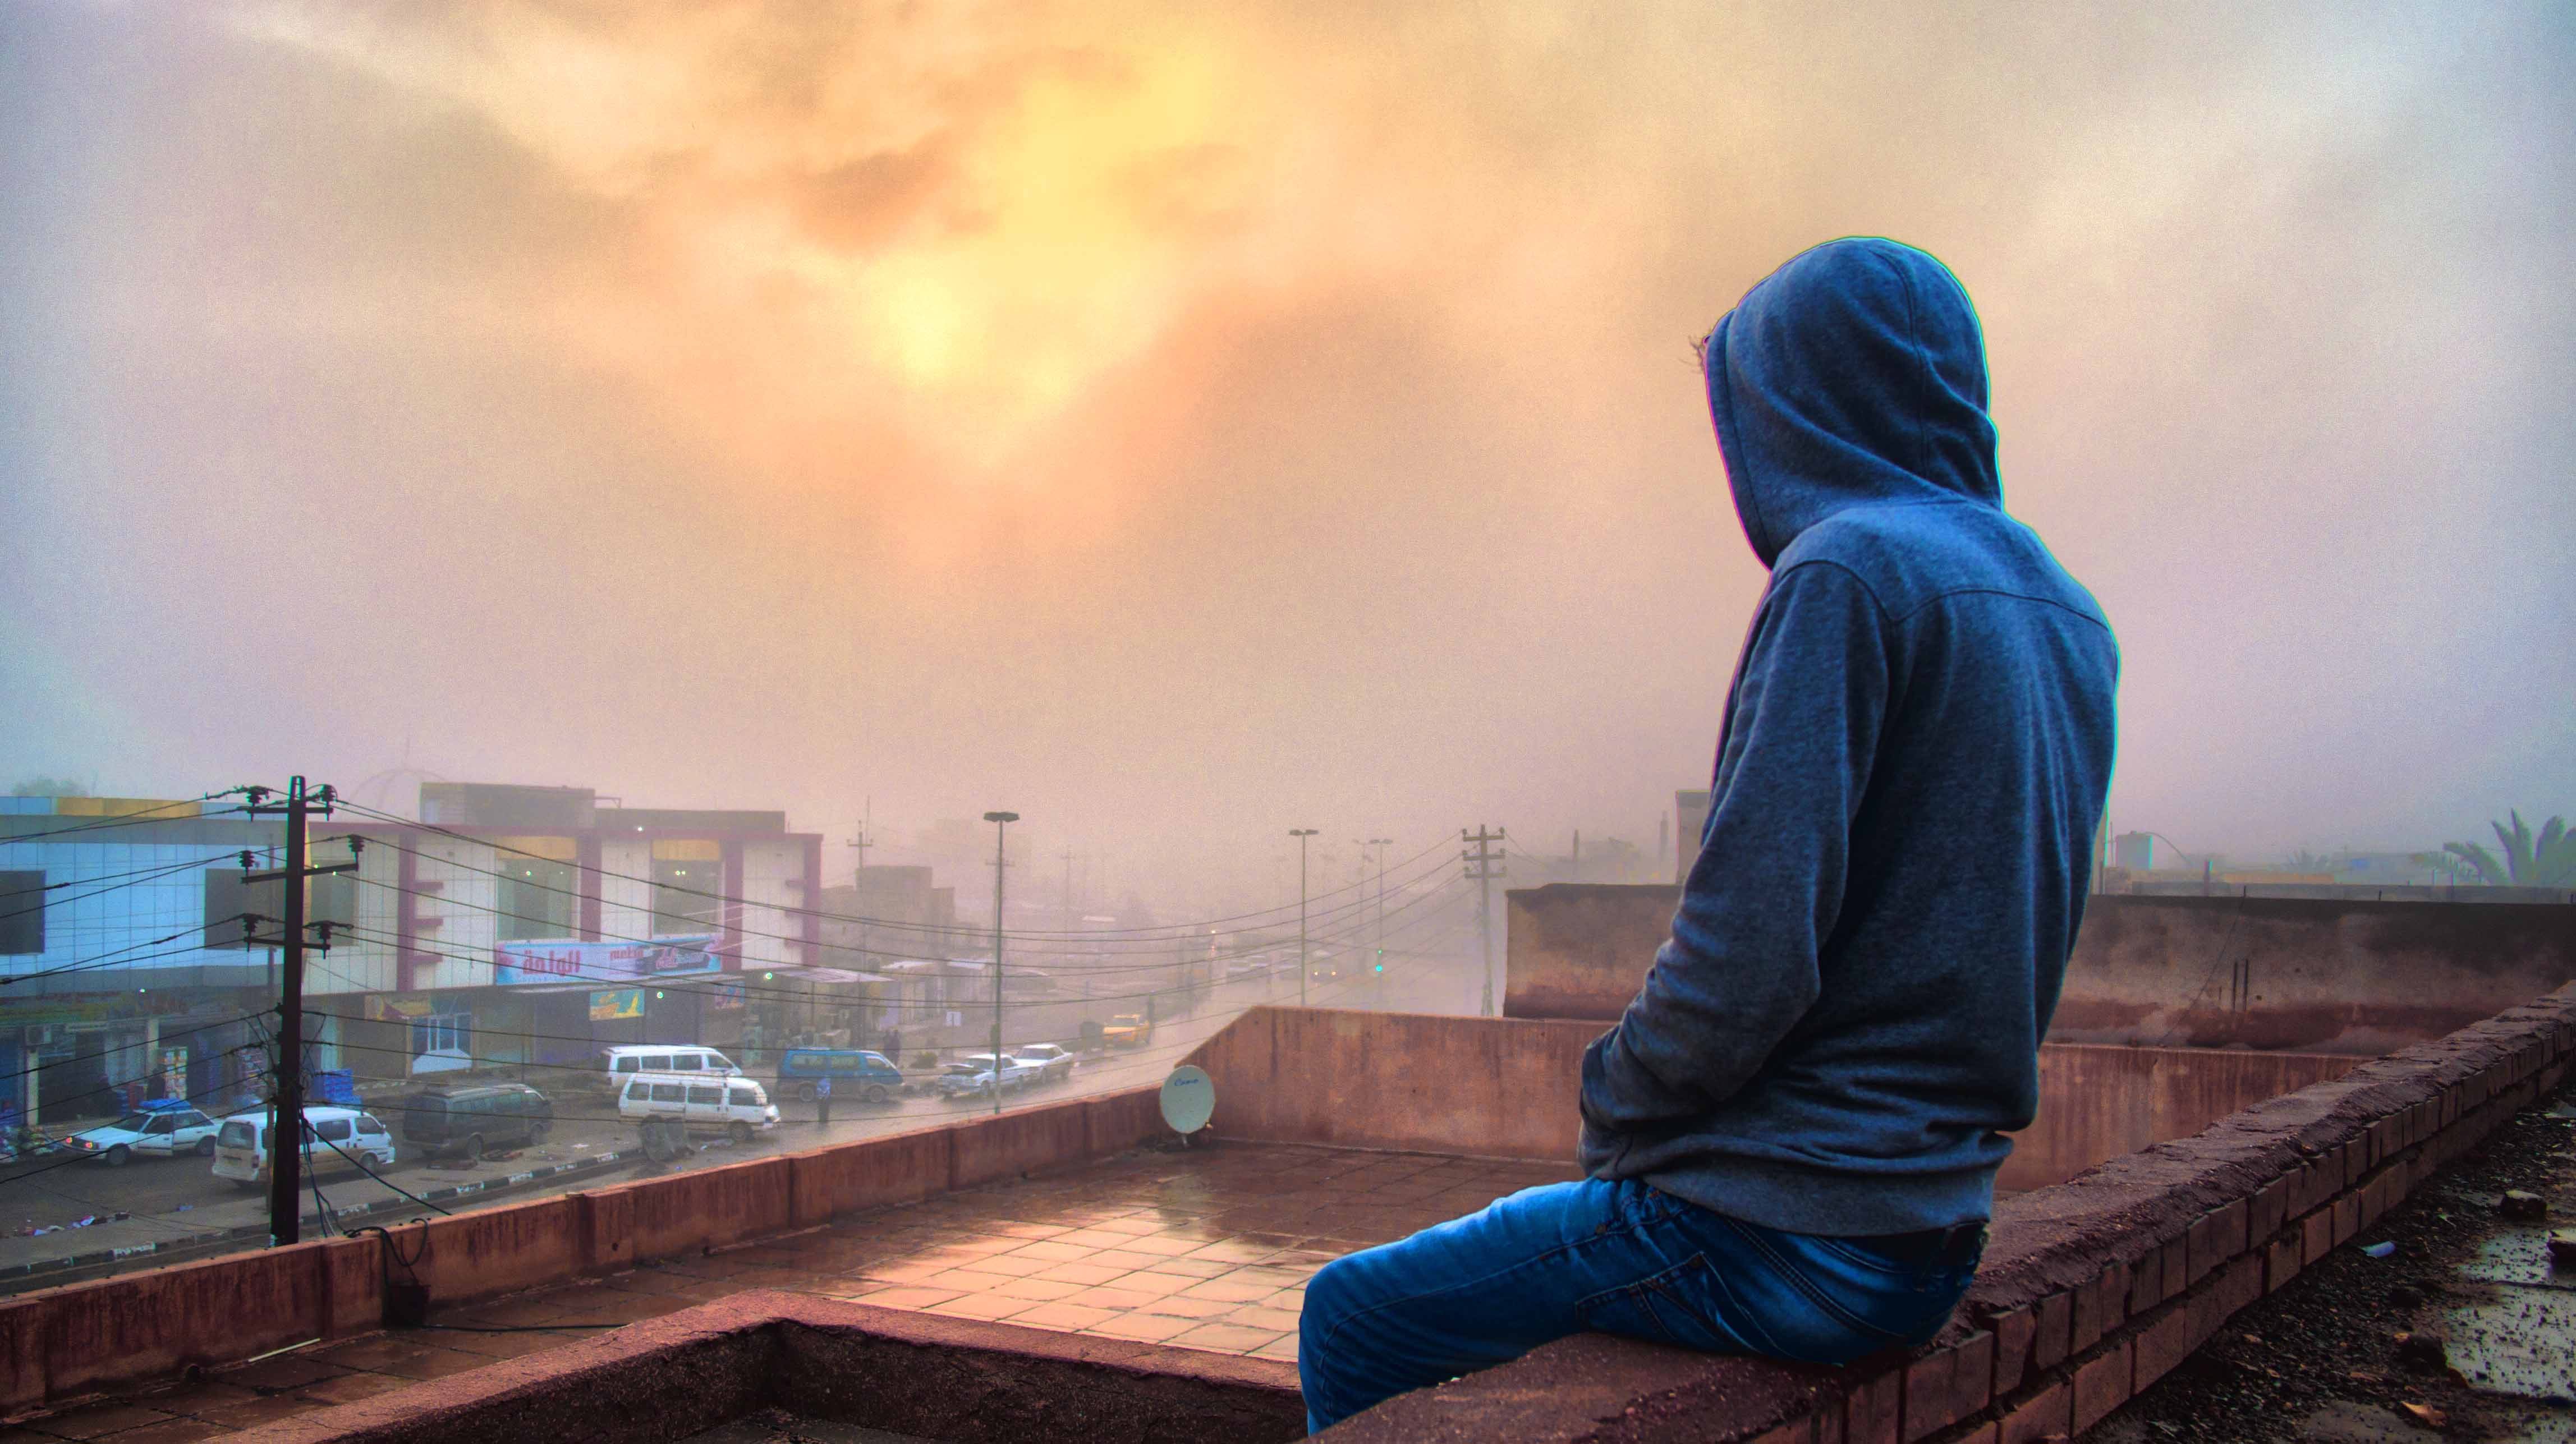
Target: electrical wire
[(130, 819), (1178, 929), (109, 959), (101, 892)]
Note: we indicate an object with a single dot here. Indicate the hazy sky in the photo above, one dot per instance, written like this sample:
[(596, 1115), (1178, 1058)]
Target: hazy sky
[(1181, 423)]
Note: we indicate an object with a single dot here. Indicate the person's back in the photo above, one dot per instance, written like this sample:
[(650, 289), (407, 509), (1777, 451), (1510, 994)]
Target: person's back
[(1792, 1134), (1873, 937)]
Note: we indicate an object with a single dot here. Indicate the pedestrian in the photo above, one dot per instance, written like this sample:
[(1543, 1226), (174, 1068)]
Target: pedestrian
[(1791, 1136), (822, 1102), (894, 1047)]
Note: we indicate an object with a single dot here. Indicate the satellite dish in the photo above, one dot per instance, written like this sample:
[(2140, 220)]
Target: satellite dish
[(1189, 1099)]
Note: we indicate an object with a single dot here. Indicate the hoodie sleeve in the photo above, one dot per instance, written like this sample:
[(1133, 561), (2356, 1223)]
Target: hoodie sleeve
[(1740, 968)]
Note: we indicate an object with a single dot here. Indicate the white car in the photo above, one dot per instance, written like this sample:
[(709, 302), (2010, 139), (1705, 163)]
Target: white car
[(335, 1138), (1054, 1061), (702, 1102), (152, 1132), (972, 1076)]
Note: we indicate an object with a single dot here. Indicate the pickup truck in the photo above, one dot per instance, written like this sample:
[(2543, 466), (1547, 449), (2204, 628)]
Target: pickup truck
[(1127, 1030), (972, 1076)]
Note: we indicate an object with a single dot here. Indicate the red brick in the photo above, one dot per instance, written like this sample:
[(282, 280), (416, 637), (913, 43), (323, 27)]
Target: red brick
[(2163, 1341), (2050, 1411), (2014, 1334), (2217, 1237), (1872, 1410), (2240, 1284), (2101, 1385), (2099, 1307), (2147, 1287), (2281, 1262), (2271, 1203), (2347, 1218), (2053, 1340), (2317, 1234)]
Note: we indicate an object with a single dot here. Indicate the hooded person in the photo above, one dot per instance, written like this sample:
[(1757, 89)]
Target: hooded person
[(1792, 1135)]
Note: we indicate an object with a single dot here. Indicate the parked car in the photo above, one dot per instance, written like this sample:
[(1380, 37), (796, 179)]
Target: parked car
[(665, 1058), (468, 1118), (856, 1073), (972, 1076), (1054, 1062), (164, 1131), (1127, 1030), (702, 1102), (334, 1139)]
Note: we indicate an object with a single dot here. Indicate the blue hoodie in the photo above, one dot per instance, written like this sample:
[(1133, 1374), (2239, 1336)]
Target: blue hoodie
[(1846, 1021)]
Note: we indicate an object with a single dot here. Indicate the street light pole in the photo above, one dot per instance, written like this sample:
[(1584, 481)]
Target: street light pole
[(1381, 844), (1001, 863), (1301, 834)]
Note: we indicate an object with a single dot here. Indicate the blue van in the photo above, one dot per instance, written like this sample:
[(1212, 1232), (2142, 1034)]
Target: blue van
[(856, 1074)]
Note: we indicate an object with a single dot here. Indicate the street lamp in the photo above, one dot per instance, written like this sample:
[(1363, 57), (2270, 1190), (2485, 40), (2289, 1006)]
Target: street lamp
[(1000, 820), (1381, 844), (1301, 834)]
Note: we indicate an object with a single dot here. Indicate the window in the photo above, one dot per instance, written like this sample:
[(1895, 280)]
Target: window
[(637, 1091), (667, 1093), (685, 894), (705, 1095), (193, 1119), (537, 899), (239, 1135), (163, 1125), (657, 1063), (22, 896), (453, 1032), (745, 1098), (687, 1063), (367, 1124), (331, 1130)]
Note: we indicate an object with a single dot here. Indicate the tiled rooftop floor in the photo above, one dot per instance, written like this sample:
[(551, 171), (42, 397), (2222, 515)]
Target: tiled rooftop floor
[(1207, 1249)]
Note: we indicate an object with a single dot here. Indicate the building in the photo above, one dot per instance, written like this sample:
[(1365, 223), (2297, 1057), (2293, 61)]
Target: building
[(116, 983), (1690, 822), (524, 926)]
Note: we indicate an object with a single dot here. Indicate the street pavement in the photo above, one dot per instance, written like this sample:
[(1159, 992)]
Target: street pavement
[(171, 1199)]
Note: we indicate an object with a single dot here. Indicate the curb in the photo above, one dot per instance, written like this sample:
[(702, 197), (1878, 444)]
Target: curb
[(13, 1273)]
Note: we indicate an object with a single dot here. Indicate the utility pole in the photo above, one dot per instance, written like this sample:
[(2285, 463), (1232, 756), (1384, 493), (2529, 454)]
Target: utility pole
[(1068, 896), (286, 1129), (859, 875), (1001, 864), (1301, 834), (1381, 844), (1483, 866)]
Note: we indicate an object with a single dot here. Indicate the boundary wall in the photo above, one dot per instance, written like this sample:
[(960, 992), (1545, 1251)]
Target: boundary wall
[(2280, 974), (63, 1343), (2090, 1291), (1506, 1087)]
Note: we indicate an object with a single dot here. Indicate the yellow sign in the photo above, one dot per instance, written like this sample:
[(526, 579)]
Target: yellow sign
[(617, 1003)]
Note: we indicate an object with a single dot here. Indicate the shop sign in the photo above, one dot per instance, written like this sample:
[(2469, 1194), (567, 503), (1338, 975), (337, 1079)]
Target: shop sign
[(619, 1003), (574, 961), (382, 1009), (725, 995)]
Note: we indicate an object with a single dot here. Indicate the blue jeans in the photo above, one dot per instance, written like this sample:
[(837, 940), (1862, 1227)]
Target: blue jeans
[(1614, 1258)]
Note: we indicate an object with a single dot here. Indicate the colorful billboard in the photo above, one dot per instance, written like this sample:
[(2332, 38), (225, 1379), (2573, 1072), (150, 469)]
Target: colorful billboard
[(562, 961), (611, 1006)]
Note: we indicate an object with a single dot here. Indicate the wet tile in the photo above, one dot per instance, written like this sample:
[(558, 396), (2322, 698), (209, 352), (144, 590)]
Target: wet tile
[(1144, 1328), (173, 1431), (967, 1281), (1189, 1308), (1284, 1349), (1052, 1251), (434, 1363), (98, 1420), (1151, 1283), (1035, 1290), (1231, 1291), (350, 1388), (1226, 1338), (911, 1296), (1263, 1316), (286, 1371), (1078, 1273), (980, 1306), (1068, 1317), (252, 1412)]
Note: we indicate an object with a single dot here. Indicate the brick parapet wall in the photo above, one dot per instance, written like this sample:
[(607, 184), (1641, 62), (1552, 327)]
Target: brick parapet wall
[(65, 1343), (2090, 1291)]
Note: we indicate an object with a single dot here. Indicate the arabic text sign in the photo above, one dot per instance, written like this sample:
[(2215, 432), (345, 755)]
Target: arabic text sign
[(560, 961)]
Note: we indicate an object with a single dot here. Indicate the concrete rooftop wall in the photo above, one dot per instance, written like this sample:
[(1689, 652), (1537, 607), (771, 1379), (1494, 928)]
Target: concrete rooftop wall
[(1505, 1087), (2317, 976)]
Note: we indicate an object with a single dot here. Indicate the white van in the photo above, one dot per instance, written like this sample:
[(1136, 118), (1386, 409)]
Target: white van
[(336, 1140), (666, 1058), (703, 1102)]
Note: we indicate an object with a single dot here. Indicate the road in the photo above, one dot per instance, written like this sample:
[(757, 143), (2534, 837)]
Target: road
[(174, 1198)]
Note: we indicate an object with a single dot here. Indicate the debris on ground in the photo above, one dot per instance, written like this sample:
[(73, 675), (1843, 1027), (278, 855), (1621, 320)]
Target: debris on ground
[(2524, 1206)]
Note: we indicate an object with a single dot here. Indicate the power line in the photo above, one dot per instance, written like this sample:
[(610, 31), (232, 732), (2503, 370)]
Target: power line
[(131, 819), (100, 892)]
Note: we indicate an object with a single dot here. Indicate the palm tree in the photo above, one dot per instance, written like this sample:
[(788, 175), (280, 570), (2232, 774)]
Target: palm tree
[(2543, 859)]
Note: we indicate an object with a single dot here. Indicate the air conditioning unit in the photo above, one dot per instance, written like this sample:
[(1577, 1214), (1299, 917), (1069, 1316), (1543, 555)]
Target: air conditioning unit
[(40, 1035)]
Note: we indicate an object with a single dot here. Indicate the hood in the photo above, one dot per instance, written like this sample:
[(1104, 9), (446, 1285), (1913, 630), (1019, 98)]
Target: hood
[(1854, 374)]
